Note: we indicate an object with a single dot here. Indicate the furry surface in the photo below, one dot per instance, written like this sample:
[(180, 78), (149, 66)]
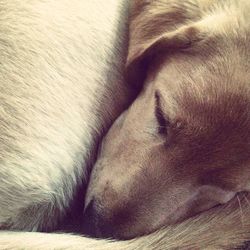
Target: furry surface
[(54, 107), (61, 86)]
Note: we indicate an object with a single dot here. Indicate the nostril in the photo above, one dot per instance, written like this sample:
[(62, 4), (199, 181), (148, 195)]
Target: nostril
[(90, 208)]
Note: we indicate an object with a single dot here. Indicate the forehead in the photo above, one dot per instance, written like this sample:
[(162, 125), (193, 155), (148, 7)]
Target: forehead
[(202, 79), (212, 107), (206, 100)]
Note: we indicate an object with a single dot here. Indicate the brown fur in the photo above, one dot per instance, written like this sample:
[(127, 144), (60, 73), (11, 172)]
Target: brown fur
[(192, 59)]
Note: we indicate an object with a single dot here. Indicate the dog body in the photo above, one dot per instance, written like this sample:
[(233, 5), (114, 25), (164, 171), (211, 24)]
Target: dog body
[(61, 87), (44, 138)]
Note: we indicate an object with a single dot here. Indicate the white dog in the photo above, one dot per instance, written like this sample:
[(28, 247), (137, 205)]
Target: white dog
[(61, 88)]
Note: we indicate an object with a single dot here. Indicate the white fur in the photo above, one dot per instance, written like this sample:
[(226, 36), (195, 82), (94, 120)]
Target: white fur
[(60, 76)]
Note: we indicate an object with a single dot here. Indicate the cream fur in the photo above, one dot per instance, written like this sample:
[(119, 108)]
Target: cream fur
[(61, 86)]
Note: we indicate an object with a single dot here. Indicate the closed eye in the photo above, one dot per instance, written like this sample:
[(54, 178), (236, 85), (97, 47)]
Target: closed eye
[(163, 123)]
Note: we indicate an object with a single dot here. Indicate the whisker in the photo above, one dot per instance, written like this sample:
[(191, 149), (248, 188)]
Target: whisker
[(241, 212), (248, 202)]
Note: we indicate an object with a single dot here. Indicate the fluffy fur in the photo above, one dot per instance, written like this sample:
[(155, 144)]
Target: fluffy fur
[(61, 87), (54, 106)]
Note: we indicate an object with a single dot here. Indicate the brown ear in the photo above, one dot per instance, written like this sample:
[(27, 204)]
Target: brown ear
[(157, 26)]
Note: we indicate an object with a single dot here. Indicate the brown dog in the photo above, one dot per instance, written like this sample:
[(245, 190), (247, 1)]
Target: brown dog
[(184, 144)]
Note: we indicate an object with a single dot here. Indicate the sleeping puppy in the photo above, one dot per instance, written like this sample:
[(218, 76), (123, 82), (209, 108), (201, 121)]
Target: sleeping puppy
[(201, 232), (183, 146)]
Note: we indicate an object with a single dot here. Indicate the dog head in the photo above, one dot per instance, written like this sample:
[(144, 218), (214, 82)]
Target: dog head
[(183, 146)]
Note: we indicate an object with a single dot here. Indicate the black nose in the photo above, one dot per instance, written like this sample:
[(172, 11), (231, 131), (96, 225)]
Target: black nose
[(89, 220), (94, 224)]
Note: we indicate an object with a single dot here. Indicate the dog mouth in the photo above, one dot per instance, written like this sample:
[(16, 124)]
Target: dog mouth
[(118, 226), (123, 225)]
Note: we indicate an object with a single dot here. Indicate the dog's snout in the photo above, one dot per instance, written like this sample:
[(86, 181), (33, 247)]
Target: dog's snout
[(89, 220), (94, 223), (89, 210)]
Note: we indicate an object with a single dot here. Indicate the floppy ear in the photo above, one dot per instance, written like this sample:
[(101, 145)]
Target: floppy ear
[(157, 26)]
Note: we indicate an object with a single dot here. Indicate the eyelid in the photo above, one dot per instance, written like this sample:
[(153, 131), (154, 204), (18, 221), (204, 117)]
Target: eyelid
[(160, 117)]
